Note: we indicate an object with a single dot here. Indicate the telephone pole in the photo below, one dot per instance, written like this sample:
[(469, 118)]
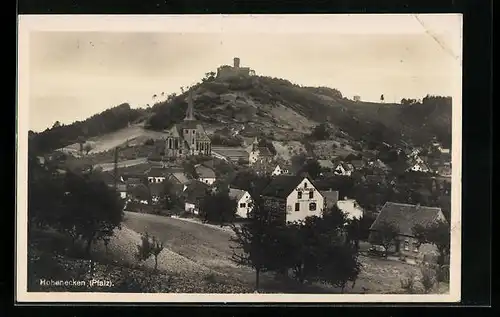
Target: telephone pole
[(115, 168)]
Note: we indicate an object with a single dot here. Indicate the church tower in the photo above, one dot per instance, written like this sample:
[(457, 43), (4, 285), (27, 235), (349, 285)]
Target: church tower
[(189, 111)]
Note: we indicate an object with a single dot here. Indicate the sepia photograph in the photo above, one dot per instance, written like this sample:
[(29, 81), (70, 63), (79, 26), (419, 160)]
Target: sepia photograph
[(239, 158)]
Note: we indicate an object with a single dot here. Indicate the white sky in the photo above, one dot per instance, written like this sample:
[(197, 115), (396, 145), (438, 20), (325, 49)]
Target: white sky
[(81, 66)]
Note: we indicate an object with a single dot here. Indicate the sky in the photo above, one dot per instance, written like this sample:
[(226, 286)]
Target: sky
[(77, 72)]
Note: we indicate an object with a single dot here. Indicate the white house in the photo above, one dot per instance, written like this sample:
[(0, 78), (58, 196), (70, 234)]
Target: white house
[(243, 200), (205, 174), (343, 169), (351, 208), (279, 170), (295, 196), (419, 167)]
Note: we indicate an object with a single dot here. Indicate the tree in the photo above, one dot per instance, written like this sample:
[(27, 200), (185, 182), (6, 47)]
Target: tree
[(218, 208), (385, 235), (91, 207), (382, 98), (150, 246), (312, 168), (255, 243), (438, 234), (87, 148), (169, 198), (56, 124), (320, 132)]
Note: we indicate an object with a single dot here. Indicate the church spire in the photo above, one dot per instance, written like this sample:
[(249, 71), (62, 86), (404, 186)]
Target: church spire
[(189, 111)]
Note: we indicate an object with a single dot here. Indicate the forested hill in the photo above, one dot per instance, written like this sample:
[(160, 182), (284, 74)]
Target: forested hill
[(274, 107), (60, 135)]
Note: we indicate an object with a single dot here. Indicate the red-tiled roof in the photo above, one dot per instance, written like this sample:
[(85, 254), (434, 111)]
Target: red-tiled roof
[(406, 216)]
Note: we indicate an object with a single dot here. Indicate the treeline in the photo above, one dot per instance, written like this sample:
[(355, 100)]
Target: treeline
[(80, 206), (60, 135), (433, 115)]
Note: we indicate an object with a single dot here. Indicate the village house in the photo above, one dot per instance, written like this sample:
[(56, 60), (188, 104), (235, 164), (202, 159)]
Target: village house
[(351, 208), (330, 197), (293, 198), (188, 137), (280, 170), (205, 174), (179, 180), (343, 169), (243, 200), (156, 175), (418, 166), (404, 217), (259, 154), (193, 195)]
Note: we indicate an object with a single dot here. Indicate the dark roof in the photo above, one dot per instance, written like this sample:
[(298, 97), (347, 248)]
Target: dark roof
[(282, 185), (406, 216), (156, 172), (264, 151), (195, 190), (204, 172), (357, 163), (109, 179)]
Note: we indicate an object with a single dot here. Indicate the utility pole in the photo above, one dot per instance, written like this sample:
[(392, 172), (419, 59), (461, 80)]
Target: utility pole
[(115, 171)]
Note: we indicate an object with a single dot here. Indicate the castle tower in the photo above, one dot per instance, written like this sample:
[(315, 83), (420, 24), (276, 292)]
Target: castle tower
[(236, 62), (189, 111)]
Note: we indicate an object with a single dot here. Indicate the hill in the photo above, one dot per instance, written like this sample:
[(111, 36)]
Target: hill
[(285, 111), (262, 106)]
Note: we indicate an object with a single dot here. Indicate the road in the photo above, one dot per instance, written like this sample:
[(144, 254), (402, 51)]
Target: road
[(109, 166)]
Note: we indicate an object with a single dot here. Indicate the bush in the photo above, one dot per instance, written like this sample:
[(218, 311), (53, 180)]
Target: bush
[(428, 278), (408, 283)]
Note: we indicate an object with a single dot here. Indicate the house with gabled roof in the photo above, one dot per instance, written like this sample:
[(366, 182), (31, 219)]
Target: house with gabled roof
[(293, 198), (259, 154), (405, 217), (280, 169), (243, 200), (193, 195), (156, 174), (109, 179), (343, 169), (205, 174)]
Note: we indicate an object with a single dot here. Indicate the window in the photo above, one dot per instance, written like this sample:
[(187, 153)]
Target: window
[(312, 206), (297, 206), (407, 245), (299, 195), (242, 205), (180, 151), (151, 180), (311, 194), (196, 146), (305, 185)]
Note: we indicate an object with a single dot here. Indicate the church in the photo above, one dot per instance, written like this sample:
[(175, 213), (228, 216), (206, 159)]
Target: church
[(188, 137)]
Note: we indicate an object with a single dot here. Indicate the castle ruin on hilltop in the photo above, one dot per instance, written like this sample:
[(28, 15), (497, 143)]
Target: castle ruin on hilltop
[(227, 71)]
